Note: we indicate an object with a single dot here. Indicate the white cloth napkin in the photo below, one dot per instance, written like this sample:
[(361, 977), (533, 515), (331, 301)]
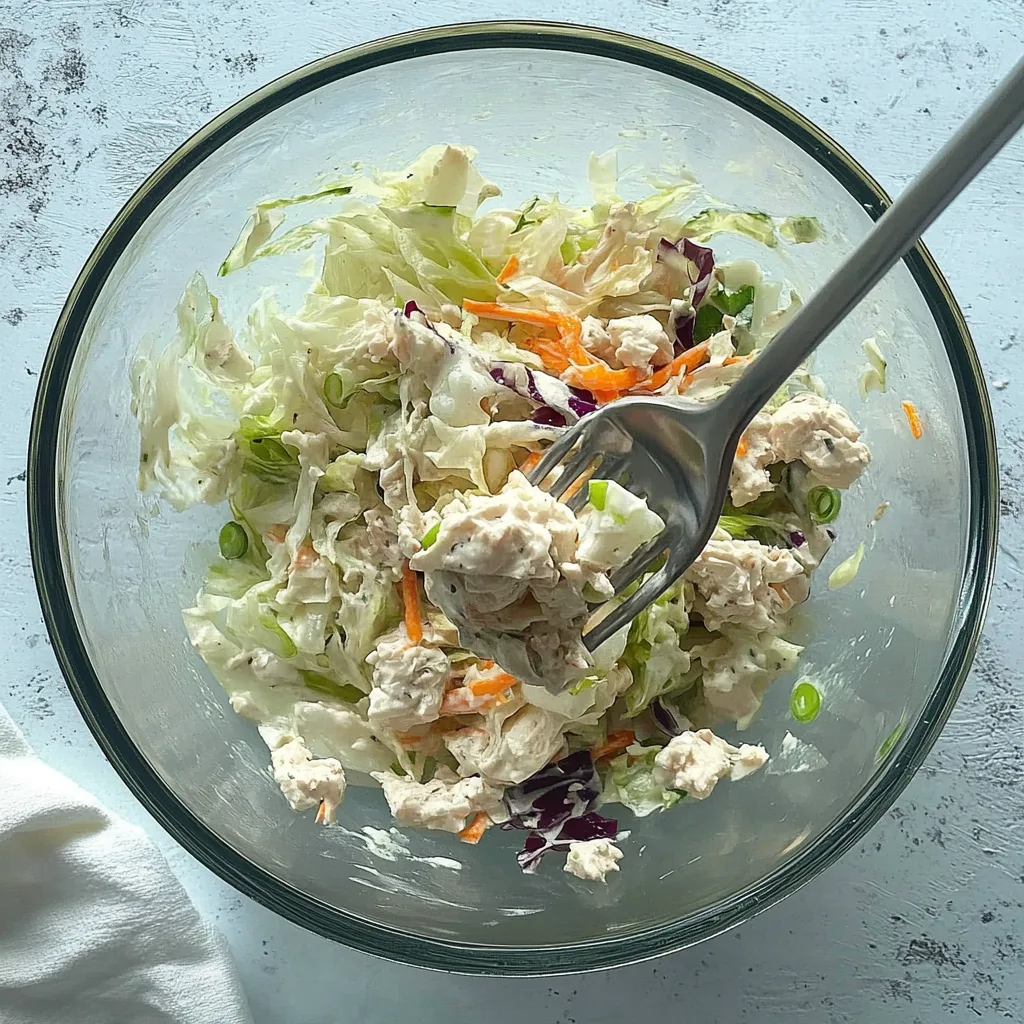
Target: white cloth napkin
[(94, 929)]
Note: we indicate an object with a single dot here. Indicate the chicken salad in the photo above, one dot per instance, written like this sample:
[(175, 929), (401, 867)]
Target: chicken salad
[(372, 448)]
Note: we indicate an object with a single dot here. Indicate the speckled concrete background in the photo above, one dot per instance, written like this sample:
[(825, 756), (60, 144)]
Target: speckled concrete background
[(921, 923)]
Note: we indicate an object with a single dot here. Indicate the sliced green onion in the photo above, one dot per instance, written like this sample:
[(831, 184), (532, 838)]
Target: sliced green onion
[(824, 503), (889, 742), (707, 322), (805, 701), (334, 390), (233, 540), (345, 692), (430, 536), (845, 571), (597, 494), (740, 525), (268, 620)]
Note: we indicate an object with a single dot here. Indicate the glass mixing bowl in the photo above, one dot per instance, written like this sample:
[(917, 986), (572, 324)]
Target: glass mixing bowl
[(890, 651)]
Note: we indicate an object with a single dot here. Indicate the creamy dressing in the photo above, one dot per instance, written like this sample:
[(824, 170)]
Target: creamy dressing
[(406, 609)]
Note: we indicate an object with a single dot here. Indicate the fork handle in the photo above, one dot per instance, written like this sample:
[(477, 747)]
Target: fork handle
[(988, 129)]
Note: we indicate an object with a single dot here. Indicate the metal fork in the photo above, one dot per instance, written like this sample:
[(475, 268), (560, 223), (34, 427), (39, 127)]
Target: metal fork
[(677, 453)]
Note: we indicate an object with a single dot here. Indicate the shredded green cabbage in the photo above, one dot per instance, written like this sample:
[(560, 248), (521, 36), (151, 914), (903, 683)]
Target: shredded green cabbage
[(344, 433)]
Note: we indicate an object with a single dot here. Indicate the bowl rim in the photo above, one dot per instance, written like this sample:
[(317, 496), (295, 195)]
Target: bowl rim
[(46, 535)]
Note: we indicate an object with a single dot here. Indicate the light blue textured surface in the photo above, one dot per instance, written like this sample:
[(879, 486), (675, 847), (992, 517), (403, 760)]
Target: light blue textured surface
[(919, 924)]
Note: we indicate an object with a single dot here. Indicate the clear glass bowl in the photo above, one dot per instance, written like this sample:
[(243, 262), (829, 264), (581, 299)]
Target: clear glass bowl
[(890, 651)]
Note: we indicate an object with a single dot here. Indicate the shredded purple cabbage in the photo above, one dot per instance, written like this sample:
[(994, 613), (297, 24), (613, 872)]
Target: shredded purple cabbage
[(678, 256), (560, 405), (797, 539), (556, 793), (575, 830), (555, 807), (581, 402), (545, 416), (704, 260), (411, 308), (681, 330), (665, 718), (560, 399)]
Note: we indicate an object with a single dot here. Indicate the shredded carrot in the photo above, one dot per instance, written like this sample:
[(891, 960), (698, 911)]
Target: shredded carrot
[(569, 328), (615, 743), (574, 488), (409, 740), (510, 269), (473, 832), (599, 377), (734, 360), (525, 466), (568, 357), (461, 700), (691, 359), (497, 311), (742, 448), (485, 665), (551, 353), (277, 533), (411, 601), (492, 686), (688, 361), (305, 556), (914, 419), (321, 813)]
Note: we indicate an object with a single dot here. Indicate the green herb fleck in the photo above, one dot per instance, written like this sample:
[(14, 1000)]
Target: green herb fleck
[(527, 210)]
